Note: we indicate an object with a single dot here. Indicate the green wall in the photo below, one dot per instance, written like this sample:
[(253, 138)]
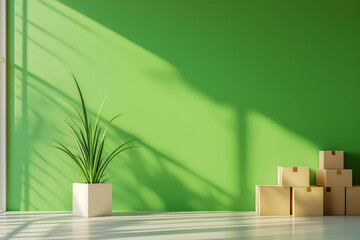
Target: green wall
[(221, 92)]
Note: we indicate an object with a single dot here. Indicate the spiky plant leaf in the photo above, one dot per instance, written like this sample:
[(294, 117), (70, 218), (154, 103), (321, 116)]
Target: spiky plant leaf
[(90, 143)]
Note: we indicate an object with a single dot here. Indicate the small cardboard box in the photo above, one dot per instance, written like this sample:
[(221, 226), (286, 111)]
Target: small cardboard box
[(293, 176), (353, 200), (334, 200), (334, 178), (331, 159), (308, 201), (272, 200)]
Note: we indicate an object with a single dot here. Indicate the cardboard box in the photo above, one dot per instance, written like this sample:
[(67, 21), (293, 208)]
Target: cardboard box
[(334, 178), (308, 201), (353, 200), (272, 200), (334, 200), (293, 176), (331, 159)]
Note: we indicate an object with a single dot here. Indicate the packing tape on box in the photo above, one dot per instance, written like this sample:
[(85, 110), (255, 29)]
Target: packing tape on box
[(308, 189), (295, 169)]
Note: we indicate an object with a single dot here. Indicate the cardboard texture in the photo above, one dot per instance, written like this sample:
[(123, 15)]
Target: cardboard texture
[(353, 200), (334, 178), (308, 201), (293, 176), (272, 200), (331, 159), (334, 200)]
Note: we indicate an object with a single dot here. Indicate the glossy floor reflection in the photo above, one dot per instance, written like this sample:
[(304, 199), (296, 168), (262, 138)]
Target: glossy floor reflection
[(175, 225)]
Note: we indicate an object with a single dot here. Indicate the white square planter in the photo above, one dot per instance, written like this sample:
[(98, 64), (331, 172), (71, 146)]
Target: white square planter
[(91, 200)]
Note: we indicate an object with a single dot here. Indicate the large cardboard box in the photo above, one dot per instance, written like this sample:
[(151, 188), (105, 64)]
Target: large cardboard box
[(293, 176), (331, 159), (353, 200), (334, 178), (272, 200), (308, 201), (334, 200)]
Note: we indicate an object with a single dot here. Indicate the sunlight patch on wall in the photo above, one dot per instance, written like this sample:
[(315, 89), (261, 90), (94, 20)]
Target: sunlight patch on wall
[(269, 140), (190, 141)]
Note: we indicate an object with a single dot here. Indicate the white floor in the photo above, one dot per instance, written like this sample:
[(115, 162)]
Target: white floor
[(175, 225)]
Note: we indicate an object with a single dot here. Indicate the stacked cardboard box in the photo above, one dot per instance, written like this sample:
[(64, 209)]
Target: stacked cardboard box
[(335, 179), (272, 200), (333, 195), (340, 196), (353, 200), (292, 195)]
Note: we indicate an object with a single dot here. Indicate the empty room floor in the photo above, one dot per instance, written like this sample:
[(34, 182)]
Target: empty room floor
[(175, 225)]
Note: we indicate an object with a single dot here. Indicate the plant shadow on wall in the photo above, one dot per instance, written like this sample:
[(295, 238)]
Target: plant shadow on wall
[(167, 192), (134, 166)]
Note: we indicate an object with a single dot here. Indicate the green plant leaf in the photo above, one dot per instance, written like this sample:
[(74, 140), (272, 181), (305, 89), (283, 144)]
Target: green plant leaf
[(90, 143)]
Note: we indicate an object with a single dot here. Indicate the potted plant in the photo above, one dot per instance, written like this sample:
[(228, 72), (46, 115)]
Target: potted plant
[(92, 197)]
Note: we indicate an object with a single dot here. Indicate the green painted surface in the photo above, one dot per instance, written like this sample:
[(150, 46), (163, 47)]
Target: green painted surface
[(222, 92)]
